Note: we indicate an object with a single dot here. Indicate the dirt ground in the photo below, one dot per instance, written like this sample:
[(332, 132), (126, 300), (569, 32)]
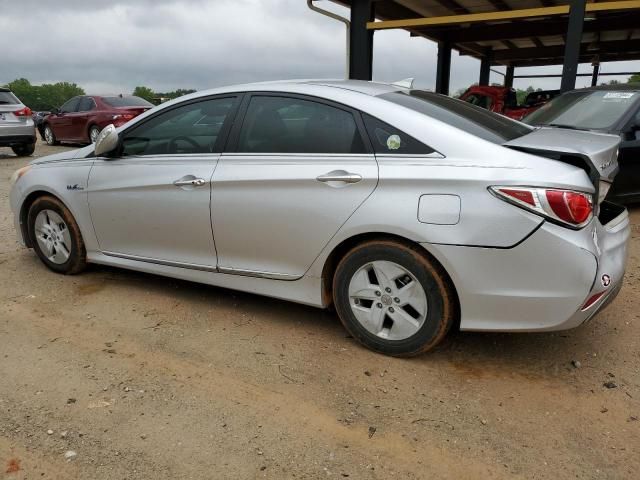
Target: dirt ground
[(145, 377)]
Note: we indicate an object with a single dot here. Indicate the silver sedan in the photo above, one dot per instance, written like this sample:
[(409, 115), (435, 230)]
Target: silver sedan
[(408, 211)]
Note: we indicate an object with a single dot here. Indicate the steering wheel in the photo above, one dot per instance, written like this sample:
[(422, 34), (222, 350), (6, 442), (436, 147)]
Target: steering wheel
[(172, 147)]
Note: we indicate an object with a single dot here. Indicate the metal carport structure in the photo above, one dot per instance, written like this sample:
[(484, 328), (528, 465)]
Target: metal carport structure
[(512, 33)]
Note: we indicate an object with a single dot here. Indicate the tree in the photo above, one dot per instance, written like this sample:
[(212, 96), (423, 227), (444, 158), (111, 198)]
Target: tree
[(144, 92), (634, 78), (46, 96)]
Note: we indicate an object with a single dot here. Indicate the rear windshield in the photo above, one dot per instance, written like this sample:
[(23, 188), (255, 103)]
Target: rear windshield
[(8, 98), (457, 113), (586, 110), (126, 102)]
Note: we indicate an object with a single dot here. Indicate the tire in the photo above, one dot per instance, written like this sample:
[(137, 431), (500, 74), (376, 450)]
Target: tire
[(94, 131), (24, 150), (49, 136), (55, 236), (405, 308)]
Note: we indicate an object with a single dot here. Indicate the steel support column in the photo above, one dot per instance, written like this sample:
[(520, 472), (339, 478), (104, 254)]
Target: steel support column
[(594, 76), (485, 67), (572, 44), (443, 71), (361, 39), (508, 78)]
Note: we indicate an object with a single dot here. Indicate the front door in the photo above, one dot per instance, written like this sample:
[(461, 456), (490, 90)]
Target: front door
[(299, 170), (152, 202), (61, 122)]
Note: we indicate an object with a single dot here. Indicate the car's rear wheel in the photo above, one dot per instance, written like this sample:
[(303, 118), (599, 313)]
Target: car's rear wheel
[(49, 136), (24, 150), (55, 236), (393, 299), (94, 131)]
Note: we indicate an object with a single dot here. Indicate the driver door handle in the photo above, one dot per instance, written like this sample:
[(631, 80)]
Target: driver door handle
[(193, 182), (339, 176)]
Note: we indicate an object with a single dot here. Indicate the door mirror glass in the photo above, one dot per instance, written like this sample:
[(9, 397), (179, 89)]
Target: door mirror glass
[(107, 141)]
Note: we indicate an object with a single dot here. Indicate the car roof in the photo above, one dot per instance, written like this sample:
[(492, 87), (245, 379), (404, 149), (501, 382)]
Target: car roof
[(4, 89), (618, 86)]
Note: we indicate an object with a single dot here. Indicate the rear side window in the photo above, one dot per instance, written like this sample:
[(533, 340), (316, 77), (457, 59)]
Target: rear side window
[(390, 140), (8, 98), (292, 125)]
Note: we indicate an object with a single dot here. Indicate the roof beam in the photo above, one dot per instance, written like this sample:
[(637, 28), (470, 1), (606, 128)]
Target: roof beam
[(500, 15), (621, 47), (527, 29)]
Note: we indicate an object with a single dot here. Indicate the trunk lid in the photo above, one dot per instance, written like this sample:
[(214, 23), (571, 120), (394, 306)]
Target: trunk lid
[(596, 153)]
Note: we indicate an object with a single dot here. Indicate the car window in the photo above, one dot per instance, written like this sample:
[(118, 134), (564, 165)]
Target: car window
[(459, 114), (292, 125), (483, 101), (126, 102), (71, 105), (8, 98), (86, 104), (191, 128), (390, 140)]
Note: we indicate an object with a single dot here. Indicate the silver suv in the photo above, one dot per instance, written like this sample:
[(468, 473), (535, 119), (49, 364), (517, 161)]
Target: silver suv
[(17, 129)]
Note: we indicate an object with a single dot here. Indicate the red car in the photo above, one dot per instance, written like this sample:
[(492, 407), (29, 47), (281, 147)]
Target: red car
[(80, 119), (503, 100)]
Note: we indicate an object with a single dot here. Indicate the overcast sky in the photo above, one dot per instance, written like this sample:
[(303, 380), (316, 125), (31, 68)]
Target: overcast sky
[(110, 46)]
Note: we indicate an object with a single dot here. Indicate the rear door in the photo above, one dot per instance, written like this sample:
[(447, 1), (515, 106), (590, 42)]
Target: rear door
[(297, 169)]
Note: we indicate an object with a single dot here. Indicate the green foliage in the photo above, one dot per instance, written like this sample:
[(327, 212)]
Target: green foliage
[(634, 78), (158, 97), (45, 96), (144, 92)]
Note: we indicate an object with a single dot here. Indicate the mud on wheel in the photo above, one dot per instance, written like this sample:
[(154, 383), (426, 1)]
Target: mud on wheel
[(393, 298)]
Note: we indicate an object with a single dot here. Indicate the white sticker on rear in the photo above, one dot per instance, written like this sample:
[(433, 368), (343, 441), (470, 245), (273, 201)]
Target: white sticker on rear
[(619, 94), (393, 142)]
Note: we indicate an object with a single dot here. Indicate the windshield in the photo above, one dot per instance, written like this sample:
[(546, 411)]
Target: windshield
[(8, 98), (126, 102), (457, 113), (585, 110)]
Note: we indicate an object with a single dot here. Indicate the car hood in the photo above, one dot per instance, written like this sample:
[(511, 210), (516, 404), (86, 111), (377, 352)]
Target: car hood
[(598, 151), (64, 156)]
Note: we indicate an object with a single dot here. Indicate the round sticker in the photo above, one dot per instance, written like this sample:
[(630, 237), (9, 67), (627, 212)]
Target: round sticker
[(393, 142)]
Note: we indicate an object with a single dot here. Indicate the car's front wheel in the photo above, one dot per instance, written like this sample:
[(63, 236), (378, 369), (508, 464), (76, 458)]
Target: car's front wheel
[(55, 236), (49, 136), (24, 150), (393, 298)]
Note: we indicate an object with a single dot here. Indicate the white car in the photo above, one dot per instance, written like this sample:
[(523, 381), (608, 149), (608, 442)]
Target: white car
[(406, 210), (17, 129)]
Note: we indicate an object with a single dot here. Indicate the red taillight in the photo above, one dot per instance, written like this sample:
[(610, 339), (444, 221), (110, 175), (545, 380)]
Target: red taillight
[(23, 112), (564, 206)]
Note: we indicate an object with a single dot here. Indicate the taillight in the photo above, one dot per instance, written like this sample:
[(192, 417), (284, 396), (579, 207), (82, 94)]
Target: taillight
[(23, 112), (567, 207)]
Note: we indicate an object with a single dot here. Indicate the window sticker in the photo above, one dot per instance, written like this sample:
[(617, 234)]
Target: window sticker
[(619, 94), (393, 142)]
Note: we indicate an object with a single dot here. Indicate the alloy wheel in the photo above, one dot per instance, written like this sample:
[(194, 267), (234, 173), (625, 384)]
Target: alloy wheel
[(388, 300), (53, 237)]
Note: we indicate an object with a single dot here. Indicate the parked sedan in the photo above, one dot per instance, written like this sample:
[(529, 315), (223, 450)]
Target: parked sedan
[(16, 125), (609, 109), (408, 211), (81, 119)]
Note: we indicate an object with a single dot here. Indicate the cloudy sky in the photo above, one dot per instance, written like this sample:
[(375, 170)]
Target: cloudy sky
[(110, 46)]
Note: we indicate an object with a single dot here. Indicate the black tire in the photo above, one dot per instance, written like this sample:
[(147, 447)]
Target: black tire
[(91, 130), (77, 260), (50, 139), (24, 150), (441, 299)]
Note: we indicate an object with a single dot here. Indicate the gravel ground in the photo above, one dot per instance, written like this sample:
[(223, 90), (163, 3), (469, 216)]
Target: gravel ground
[(121, 375)]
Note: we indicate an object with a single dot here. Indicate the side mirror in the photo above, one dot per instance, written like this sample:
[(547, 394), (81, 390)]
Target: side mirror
[(107, 141), (56, 111)]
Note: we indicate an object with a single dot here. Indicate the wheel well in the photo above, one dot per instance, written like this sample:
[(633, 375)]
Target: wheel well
[(24, 212), (345, 246)]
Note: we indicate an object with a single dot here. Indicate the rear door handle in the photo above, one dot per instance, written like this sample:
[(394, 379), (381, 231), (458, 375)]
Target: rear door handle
[(191, 182), (339, 176)]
